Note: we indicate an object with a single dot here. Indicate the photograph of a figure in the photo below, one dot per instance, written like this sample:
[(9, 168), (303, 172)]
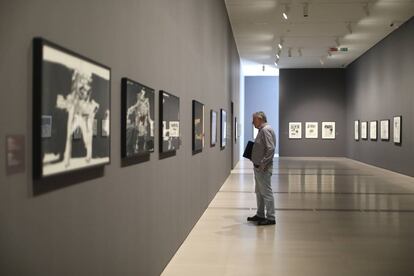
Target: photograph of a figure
[(385, 130), (373, 130), (295, 130), (356, 130), (138, 121), (311, 130), (75, 92), (198, 127), (328, 130), (223, 128), (213, 126), (364, 130), (397, 129), (170, 122)]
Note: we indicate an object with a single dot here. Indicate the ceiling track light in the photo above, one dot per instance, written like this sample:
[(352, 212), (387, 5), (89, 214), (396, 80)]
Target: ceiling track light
[(329, 54), (305, 9), (349, 27), (285, 12), (300, 52), (365, 8), (278, 55), (337, 42), (290, 52), (277, 62), (321, 61), (280, 45), (263, 68)]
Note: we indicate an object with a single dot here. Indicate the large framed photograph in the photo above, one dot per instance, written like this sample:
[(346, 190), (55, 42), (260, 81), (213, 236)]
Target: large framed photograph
[(311, 130), (364, 130), (373, 130), (198, 127), (328, 130), (169, 122), (213, 128), (70, 94), (223, 128), (137, 119), (356, 130), (397, 123), (295, 130), (385, 130)]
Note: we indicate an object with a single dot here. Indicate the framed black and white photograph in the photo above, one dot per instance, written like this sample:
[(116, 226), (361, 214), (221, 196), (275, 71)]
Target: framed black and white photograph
[(311, 130), (213, 128), (373, 130), (169, 122), (198, 127), (235, 130), (137, 119), (397, 129), (385, 130), (364, 130), (223, 128), (295, 130), (356, 130), (74, 91), (328, 130)]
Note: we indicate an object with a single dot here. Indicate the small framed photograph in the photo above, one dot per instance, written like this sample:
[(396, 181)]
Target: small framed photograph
[(223, 128), (364, 130), (198, 127), (385, 130), (311, 130), (328, 130), (137, 121), (356, 130), (397, 127), (373, 130), (213, 128), (169, 122), (295, 130)]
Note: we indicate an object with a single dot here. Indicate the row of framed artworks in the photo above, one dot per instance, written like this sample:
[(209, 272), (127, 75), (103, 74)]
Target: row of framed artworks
[(361, 130), (312, 130), (71, 120)]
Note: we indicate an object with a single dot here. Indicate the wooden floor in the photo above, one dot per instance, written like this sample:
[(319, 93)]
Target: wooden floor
[(334, 217)]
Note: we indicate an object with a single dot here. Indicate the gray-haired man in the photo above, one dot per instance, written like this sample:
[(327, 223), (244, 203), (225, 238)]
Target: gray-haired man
[(262, 158)]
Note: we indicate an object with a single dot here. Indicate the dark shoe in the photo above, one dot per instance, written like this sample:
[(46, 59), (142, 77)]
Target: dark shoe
[(266, 222), (255, 218)]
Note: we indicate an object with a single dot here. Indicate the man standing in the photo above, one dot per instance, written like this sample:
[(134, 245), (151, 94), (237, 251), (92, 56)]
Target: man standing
[(262, 158)]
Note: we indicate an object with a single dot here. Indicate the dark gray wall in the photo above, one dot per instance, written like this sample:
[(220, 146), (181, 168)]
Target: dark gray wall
[(380, 86), (261, 94), (130, 220), (312, 95)]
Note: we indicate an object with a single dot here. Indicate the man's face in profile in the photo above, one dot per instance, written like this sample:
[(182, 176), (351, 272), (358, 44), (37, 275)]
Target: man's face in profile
[(257, 122)]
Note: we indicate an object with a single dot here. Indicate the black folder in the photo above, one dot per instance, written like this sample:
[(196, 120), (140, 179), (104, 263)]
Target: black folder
[(248, 150)]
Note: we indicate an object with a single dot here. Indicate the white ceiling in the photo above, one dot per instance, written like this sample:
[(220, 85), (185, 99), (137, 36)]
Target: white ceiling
[(258, 26)]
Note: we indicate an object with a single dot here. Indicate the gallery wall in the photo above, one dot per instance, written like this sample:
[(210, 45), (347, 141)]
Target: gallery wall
[(127, 219), (261, 94), (312, 95), (380, 86)]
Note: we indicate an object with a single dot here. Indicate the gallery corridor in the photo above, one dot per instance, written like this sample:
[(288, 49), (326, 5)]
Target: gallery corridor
[(334, 217)]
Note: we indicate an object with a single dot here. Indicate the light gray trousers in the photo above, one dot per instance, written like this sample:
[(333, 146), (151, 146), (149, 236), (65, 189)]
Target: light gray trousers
[(264, 193)]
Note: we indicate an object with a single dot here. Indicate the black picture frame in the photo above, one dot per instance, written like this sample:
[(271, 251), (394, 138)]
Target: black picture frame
[(213, 128), (137, 99), (387, 129), (169, 109), (375, 138), (75, 90), (223, 128), (357, 130), (399, 130), (197, 127), (364, 135), (235, 130)]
